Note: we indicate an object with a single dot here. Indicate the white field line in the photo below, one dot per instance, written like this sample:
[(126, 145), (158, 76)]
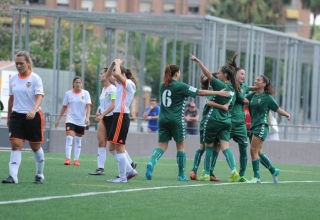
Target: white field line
[(131, 190)]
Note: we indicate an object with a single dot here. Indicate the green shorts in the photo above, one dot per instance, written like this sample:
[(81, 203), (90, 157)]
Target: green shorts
[(260, 131), (201, 137), (174, 130), (217, 130), (239, 133)]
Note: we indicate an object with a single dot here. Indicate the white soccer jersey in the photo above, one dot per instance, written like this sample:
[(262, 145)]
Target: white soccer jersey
[(76, 102), (106, 97), (124, 96), (24, 90)]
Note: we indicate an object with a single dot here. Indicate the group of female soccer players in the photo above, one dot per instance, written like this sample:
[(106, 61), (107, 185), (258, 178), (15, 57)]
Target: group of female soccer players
[(222, 119)]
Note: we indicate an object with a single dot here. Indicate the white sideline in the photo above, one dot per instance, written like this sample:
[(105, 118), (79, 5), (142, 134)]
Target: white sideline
[(131, 190)]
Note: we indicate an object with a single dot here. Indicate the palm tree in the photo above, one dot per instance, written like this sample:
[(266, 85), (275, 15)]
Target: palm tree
[(314, 6)]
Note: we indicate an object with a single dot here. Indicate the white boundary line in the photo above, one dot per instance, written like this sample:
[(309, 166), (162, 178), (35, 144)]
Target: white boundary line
[(131, 190)]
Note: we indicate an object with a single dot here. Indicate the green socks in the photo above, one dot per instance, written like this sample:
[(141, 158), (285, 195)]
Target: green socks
[(214, 161), (208, 160), (256, 168), (230, 159), (156, 154), (197, 160), (243, 159), (267, 163), (181, 161)]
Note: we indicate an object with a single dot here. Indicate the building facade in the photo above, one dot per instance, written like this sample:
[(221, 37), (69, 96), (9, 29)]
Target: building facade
[(185, 7)]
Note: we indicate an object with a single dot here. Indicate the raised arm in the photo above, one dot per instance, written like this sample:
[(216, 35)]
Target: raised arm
[(118, 74), (204, 69), (110, 69)]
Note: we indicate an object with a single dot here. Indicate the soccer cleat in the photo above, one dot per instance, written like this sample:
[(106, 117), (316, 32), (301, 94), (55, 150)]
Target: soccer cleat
[(205, 178), (132, 174), (214, 178), (182, 178), (243, 179), (149, 171), (117, 180), (193, 175), (76, 163), (275, 175), (254, 180), (99, 171), (67, 161), (234, 176), (134, 165), (9, 180), (38, 179)]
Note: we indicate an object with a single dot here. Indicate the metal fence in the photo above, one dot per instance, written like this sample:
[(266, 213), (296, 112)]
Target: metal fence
[(140, 125), (294, 60)]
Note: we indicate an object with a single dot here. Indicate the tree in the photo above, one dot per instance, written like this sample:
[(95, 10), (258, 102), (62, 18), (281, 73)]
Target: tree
[(250, 11), (314, 6)]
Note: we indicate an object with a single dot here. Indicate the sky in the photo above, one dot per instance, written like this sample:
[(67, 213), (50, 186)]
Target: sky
[(317, 19)]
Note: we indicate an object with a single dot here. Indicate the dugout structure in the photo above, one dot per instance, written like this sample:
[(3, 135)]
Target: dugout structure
[(295, 60)]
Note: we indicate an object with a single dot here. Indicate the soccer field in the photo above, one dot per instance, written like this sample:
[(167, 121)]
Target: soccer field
[(69, 193)]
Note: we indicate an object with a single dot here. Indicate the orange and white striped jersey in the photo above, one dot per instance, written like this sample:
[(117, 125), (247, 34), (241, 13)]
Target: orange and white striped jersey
[(124, 96)]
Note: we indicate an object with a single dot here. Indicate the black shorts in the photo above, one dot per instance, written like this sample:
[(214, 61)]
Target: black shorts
[(76, 128), (107, 122), (30, 130), (119, 129)]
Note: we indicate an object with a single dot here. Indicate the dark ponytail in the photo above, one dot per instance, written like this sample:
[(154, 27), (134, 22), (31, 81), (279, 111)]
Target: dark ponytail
[(169, 72), (204, 81), (129, 75), (230, 70)]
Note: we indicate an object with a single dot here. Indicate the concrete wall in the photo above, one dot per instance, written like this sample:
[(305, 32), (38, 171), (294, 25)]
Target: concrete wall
[(142, 144)]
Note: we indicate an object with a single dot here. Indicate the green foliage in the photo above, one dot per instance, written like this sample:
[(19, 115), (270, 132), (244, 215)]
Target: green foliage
[(5, 42), (41, 43), (250, 11)]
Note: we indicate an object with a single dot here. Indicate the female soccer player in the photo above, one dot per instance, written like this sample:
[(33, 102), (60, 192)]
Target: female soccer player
[(218, 122), (171, 121), (25, 119), (77, 102), (105, 118), (260, 103), (126, 85)]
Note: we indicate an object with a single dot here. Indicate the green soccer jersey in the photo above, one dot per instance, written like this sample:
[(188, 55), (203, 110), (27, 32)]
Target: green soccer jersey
[(259, 106), (173, 102), (237, 110), (217, 113), (205, 111)]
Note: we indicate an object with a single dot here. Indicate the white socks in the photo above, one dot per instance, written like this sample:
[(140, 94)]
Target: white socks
[(39, 159), (15, 160), (77, 147), (69, 140), (122, 164), (102, 155), (128, 158)]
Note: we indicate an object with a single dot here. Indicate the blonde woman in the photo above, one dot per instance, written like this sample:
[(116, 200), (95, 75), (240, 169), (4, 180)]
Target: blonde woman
[(25, 119)]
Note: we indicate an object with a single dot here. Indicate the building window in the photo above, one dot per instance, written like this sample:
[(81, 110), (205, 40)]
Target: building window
[(111, 6), (37, 2), (194, 10)]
